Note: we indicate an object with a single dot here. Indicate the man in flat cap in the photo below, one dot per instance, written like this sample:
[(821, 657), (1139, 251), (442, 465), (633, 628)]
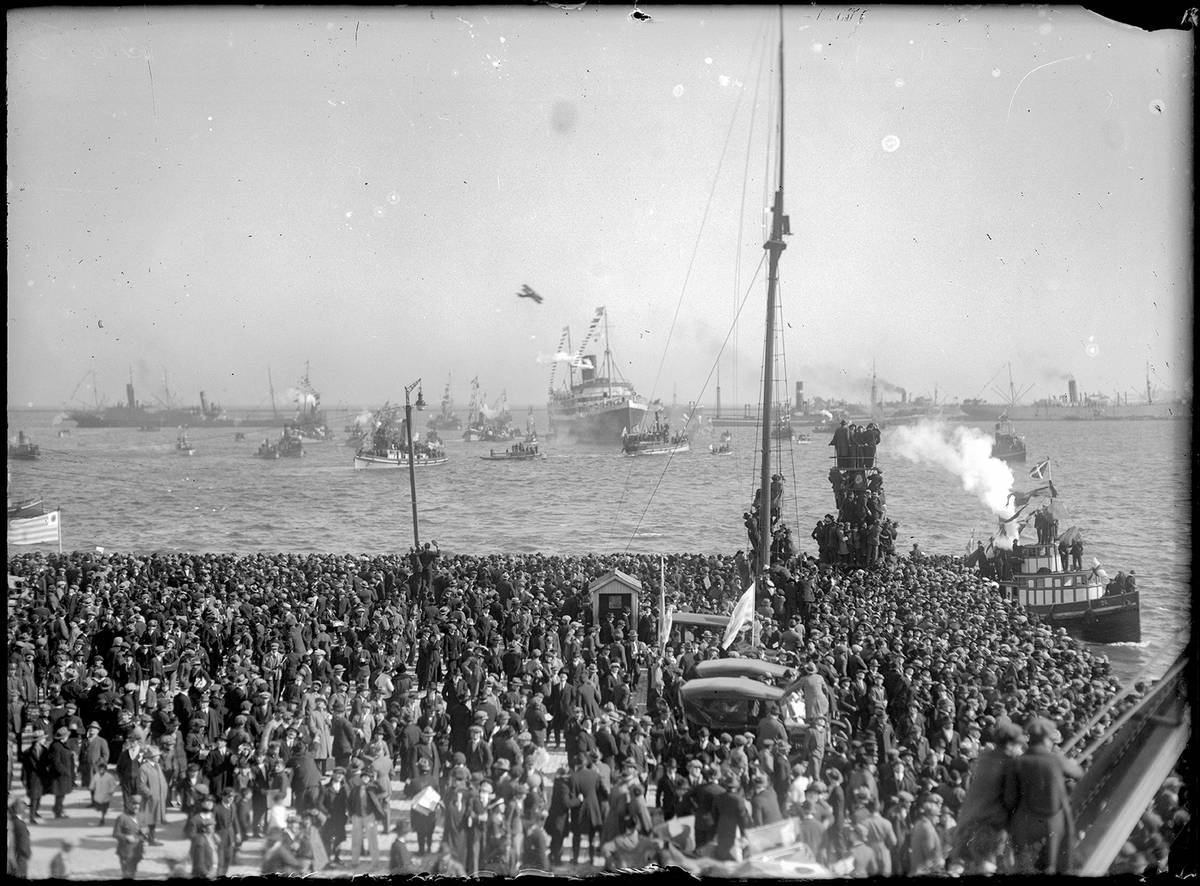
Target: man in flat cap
[(1035, 793), (982, 832)]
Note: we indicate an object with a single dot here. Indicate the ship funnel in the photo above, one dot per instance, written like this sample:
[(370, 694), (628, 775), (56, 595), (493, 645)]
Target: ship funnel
[(903, 397), (203, 404), (801, 406), (129, 396), (589, 367), (1072, 392)]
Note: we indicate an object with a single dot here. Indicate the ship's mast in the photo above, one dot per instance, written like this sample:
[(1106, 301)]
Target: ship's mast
[(271, 386), (607, 360), (774, 247)]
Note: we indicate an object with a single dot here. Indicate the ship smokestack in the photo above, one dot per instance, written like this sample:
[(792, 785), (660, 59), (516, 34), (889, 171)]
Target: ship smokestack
[(801, 406), (129, 396), (203, 404), (1072, 392), (589, 368), (903, 397)]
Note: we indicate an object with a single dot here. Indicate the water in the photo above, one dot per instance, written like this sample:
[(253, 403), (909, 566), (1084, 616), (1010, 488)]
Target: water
[(1125, 484)]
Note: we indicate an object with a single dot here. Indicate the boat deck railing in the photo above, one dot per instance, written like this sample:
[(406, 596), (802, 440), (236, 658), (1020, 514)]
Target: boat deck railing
[(1126, 766)]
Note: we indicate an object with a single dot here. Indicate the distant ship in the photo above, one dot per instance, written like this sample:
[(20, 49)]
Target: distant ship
[(133, 414), (447, 419), (599, 407), (1073, 406)]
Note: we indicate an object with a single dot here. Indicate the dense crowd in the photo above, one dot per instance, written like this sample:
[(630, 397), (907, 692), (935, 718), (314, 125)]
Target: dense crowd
[(286, 696)]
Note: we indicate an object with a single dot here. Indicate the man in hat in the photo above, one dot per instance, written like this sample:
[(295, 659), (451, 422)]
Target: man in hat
[(1035, 793), (731, 820), (60, 769), (130, 837), (764, 802), (423, 819), (227, 829), (35, 768), (588, 790), (152, 788), (982, 833), (926, 854), (335, 805)]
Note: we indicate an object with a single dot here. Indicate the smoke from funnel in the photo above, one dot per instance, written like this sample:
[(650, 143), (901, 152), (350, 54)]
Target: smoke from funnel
[(966, 453), (888, 386)]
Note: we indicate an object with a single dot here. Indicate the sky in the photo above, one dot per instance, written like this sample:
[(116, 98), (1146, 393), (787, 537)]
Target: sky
[(207, 197)]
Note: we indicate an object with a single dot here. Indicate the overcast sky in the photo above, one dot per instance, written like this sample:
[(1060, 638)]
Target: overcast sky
[(205, 193)]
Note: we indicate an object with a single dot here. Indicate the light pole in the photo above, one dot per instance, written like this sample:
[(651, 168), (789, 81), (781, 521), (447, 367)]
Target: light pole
[(412, 473)]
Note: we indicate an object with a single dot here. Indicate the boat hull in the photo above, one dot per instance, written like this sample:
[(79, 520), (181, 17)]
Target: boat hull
[(1171, 409), (599, 426), (1112, 619), (533, 457), (365, 462), (658, 449)]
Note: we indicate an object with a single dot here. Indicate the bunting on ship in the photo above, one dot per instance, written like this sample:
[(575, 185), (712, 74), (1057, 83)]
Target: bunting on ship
[(42, 529)]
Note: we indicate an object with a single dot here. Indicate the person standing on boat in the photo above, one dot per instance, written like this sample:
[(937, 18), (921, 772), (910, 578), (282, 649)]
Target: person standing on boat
[(1077, 554), (1035, 793)]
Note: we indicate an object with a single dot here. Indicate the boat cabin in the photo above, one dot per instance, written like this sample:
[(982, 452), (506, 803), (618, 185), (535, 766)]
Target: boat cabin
[(1040, 580)]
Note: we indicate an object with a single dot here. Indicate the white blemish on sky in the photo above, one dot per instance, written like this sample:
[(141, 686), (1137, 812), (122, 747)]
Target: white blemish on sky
[(899, 82), (890, 143), (678, 90)]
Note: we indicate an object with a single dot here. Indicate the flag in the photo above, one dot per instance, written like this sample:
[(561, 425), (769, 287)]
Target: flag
[(526, 292), (743, 614), (1038, 471), (34, 530)]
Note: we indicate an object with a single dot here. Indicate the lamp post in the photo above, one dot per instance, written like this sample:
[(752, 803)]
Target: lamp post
[(412, 474)]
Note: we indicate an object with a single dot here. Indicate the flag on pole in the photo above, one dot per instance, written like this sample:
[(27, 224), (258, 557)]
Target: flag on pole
[(42, 529), (743, 614), (1038, 471)]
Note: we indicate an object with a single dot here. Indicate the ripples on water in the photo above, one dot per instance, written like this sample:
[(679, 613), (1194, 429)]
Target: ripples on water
[(128, 490)]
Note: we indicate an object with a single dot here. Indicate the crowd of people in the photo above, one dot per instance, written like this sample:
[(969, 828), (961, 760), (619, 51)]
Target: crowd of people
[(296, 698)]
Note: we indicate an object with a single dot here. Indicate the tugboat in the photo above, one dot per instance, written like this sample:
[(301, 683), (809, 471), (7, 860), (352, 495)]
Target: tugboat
[(310, 418), (658, 440), (1008, 445), (724, 446), (389, 449), (1083, 601), (427, 455), (182, 445), (290, 445), (523, 450), (24, 448)]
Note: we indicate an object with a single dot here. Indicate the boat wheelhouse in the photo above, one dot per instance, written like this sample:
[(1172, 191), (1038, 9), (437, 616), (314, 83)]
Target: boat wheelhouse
[(1081, 601), (1008, 445)]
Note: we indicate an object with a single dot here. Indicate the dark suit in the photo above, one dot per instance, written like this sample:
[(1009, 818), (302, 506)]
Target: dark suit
[(586, 784), (731, 819), (1035, 792)]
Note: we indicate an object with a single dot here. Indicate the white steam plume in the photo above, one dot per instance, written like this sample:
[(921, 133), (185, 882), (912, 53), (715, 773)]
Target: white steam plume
[(966, 453)]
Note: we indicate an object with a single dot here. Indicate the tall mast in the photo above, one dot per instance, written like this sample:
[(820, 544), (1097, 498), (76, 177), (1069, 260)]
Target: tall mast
[(774, 246), (607, 360), (271, 385)]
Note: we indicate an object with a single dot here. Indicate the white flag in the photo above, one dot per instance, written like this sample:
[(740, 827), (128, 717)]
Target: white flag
[(34, 530), (743, 614)]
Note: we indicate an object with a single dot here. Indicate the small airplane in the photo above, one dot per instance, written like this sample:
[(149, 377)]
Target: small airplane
[(526, 292)]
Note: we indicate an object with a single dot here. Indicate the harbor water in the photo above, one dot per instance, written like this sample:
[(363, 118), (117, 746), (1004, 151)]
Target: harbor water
[(1125, 484)]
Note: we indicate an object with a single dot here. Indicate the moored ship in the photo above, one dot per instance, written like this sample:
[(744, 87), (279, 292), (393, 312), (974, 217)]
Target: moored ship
[(1075, 406), (600, 405)]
